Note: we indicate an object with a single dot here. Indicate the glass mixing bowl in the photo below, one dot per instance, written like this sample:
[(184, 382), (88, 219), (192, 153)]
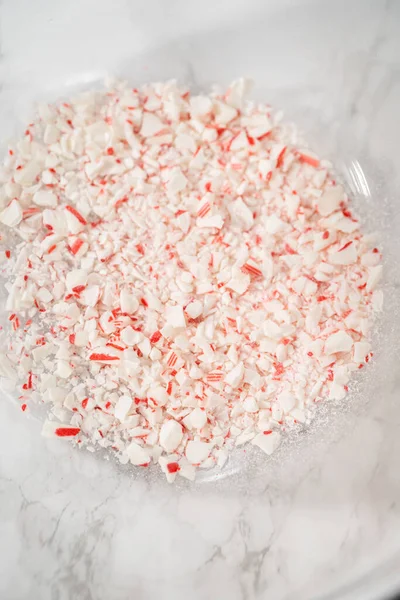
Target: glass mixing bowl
[(321, 518)]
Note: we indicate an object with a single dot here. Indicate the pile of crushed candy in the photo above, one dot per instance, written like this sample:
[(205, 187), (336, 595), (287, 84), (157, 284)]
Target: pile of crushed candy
[(183, 275)]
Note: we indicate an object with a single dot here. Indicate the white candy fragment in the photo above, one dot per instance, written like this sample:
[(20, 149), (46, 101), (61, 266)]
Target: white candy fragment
[(42, 352), (346, 256), (198, 418), (130, 337), (122, 407), (145, 347), (200, 106), (12, 214), (43, 198), (151, 125), (238, 91), (361, 349), (330, 200), (250, 405), (242, 214), (176, 182), (27, 175), (44, 295), (211, 221), (239, 282), (171, 435), (76, 278), (268, 442), (224, 113), (51, 134), (286, 401), (128, 301), (187, 470), (272, 329), (338, 342), (194, 309), (375, 274), (273, 224), (175, 317), (137, 455), (235, 376), (196, 452), (64, 369), (159, 395), (99, 133), (90, 295), (239, 142), (258, 126)]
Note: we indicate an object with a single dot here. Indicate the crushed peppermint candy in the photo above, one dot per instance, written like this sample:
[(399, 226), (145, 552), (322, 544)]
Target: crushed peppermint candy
[(183, 276)]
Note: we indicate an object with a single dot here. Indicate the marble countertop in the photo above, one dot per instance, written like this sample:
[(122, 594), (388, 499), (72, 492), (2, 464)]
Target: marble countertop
[(323, 519)]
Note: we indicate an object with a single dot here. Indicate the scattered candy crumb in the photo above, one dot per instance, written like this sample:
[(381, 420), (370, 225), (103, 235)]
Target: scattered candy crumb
[(187, 276)]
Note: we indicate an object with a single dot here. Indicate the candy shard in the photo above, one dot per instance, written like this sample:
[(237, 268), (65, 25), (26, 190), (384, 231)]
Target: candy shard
[(175, 317), (338, 342), (196, 451), (44, 198), (122, 407), (361, 350), (345, 256), (235, 376), (137, 455), (28, 173), (330, 200), (267, 441), (198, 418), (151, 125), (52, 429), (12, 214), (375, 274), (170, 435)]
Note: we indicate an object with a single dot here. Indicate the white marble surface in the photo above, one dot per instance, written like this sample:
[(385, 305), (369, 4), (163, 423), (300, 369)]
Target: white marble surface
[(323, 519)]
